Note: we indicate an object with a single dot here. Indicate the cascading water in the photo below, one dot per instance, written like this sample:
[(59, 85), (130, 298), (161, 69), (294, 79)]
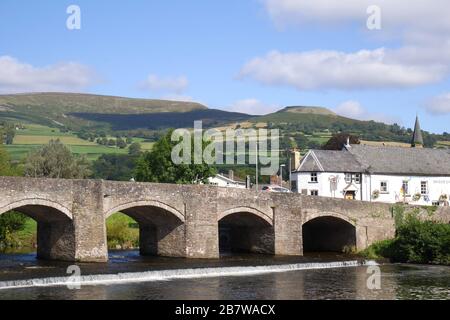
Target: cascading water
[(165, 275)]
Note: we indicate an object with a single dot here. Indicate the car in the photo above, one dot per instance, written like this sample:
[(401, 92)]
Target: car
[(274, 188)]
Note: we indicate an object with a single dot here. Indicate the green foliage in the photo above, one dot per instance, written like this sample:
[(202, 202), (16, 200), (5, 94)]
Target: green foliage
[(55, 160), (10, 223), (422, 242), (116, 167), (122, 232), (5, 167), (135, 149), (416, 241), (339, 140), (157, 166), (378, 250)]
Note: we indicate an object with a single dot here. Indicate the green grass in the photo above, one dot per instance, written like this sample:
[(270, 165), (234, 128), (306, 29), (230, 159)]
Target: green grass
[(27, 236), (35, 136), (122, 232)]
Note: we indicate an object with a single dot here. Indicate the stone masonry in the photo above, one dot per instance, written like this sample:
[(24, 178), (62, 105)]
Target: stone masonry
[(180, 220)]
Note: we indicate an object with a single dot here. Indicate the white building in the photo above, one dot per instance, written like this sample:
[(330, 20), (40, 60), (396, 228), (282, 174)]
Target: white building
[(413, 175), (221, 180)]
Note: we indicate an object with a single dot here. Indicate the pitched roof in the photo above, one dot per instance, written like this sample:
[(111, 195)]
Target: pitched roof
[(330, 161), (397, 160), (379, 160)]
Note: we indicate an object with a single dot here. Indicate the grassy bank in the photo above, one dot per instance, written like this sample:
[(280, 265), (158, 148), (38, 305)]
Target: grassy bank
[(122, 233), (416, 241)]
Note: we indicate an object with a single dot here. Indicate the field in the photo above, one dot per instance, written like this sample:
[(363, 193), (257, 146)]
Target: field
[(35, 136)]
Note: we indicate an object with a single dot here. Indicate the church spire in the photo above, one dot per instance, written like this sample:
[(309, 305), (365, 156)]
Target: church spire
[(417, 140)]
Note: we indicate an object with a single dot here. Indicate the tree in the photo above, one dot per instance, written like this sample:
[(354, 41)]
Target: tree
[(116, 167), (339, 140), (157, 166), (121, 143), (134, 149), (55, 160)]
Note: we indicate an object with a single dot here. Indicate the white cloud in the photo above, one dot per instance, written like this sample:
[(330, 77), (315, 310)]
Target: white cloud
[(398, 16), (171, 85), (365, 69), (354, 110), (17, 77), (350, 109), (252, 106), (439, 105)]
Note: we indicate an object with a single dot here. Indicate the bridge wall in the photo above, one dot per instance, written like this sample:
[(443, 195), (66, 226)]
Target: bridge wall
[(177, 220)]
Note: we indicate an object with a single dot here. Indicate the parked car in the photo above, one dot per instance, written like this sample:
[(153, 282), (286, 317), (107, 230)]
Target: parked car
[(275, 189)]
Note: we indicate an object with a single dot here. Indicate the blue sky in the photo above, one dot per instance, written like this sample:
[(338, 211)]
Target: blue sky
[(253, 56)]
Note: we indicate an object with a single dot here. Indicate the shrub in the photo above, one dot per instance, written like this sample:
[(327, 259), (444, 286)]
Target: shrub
[(416, 241), (10, 223), (122, 232)]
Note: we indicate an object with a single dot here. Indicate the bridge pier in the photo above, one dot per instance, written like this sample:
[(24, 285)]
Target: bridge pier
[(89, 221), (56, 240), (288, 230)]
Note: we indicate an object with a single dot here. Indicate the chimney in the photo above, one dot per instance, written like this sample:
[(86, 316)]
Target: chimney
[(295, 159), (231, 175)]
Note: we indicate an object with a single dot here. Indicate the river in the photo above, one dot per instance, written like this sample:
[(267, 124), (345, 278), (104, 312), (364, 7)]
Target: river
[(130, 276)]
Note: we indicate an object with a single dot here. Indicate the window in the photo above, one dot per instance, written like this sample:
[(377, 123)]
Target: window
[(314, 177), (423, 187), (314, 192), (358, 178), (436, 203), (348, 177), (405, 187), (384, 186)]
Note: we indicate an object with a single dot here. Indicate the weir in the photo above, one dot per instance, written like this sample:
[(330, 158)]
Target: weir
[(189, 221), (164, 275)]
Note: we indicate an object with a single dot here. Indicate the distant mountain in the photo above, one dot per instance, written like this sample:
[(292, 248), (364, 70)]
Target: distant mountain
[(321, 117), (309, 110), (78, 112), (84, 111)]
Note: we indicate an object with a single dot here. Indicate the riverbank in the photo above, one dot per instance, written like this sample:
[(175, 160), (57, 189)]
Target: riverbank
[(416, 241)]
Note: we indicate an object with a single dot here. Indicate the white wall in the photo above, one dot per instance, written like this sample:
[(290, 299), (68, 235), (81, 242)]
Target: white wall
[(436, 187), (323, 186), (217, 181)]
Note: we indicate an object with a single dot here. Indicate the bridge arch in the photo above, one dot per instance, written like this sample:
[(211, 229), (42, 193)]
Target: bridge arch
[(246, 229), (264, 216), (328, 231), (145, 203), (161, 226), (28, 206), (55, 227)]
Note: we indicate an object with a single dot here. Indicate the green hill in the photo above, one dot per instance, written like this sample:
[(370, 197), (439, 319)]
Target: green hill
[(56, 109)]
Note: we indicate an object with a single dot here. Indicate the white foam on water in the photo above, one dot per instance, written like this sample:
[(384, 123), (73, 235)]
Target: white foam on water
[(165, 275)]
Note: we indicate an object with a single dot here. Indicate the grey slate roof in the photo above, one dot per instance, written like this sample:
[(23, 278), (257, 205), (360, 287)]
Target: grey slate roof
[(381, 160), (330, 161)]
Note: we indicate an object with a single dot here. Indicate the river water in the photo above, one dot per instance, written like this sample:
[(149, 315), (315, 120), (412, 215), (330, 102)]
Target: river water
[(129, 276)]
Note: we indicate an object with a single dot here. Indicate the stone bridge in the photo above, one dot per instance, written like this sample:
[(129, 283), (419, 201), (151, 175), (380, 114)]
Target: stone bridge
[(190, 221)]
